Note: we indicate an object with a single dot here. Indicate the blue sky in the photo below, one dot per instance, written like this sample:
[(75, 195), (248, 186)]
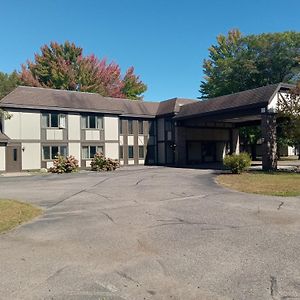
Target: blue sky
[(166, 41)]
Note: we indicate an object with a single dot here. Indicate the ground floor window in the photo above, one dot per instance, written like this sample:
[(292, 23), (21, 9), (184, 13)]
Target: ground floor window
[(121, 152), (88, 152), (51, 152), (141, 152), (130, 152)]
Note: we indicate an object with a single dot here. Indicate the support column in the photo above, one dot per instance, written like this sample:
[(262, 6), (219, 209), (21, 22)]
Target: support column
[(269, 145), (234, 141)]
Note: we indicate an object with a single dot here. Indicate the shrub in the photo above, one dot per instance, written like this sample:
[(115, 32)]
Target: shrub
[(101, 163), (237, 163), (63, 164)]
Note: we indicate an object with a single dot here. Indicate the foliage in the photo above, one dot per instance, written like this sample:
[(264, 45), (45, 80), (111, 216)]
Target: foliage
[(250, 136), (238, 63), (63, 164), (63, 66), (101, 163), (237, 163), (288, 108), (7, 83)]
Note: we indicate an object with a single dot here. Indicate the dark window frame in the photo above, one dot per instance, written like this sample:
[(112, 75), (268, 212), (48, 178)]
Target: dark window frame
[(129, 152), (52, 155), (143, 152), (130, 127), (89, 152), (97, 120)]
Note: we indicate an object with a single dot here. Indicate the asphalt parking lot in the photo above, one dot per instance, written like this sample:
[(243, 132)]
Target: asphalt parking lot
[(149, 233)]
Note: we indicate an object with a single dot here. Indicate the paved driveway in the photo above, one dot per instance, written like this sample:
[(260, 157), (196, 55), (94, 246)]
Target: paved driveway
[(152, 233)]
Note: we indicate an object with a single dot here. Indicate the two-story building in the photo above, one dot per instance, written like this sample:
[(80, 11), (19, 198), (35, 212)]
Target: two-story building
[(45, 122)]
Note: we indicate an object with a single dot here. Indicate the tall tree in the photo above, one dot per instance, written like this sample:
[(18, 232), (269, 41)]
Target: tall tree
[(63, 66), (7, 83), (288, 108), (238, 62)]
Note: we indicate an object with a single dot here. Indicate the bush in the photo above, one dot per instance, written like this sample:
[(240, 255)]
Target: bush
[(101, 163), (63, 164), (237, 163)]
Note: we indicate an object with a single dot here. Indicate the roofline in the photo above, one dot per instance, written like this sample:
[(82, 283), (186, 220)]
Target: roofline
[(261, 104), (80, 92), (219, 112)]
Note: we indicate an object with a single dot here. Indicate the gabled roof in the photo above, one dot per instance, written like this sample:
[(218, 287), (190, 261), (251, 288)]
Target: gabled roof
[(259, 97), (172, 106), (63, 100)]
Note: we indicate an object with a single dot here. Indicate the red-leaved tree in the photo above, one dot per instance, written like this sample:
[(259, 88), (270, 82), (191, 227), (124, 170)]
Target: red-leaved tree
[(63, 66)]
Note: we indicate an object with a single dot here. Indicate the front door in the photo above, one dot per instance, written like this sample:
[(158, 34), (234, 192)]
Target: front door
[(13, 158), (208, 151)]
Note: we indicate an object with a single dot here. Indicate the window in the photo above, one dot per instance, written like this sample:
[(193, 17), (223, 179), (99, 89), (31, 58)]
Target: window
[(121, 152), (121, 127), (151, 128), (168, 125), (130, 127), (15, 154), (141, 152), (92, 122), (141, 127), (50, 152), (130, 152), (54, 120), (88, 152)]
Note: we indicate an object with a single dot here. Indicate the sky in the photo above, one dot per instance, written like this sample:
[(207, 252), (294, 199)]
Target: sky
[(165, 40)]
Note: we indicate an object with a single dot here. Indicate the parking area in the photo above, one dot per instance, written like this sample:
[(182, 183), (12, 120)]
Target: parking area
[(149, 233)]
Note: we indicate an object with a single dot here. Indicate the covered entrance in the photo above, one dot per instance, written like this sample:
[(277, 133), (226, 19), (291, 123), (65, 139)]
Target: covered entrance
[(13, 158), (207, 130)]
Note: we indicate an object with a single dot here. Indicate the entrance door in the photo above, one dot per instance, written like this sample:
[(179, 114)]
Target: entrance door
[(169, 154), (208, 151), (13, 158)]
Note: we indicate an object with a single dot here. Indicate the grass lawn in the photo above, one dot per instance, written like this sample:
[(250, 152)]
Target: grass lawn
[(276, 184), (13, 213)]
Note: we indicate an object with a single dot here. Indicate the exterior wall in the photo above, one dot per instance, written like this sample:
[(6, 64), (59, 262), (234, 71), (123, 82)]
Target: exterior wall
[(74, 127), (31, 156), (112, 150), (23, 125), (137, 140), (2, 158), (75, 150), (111, 128)]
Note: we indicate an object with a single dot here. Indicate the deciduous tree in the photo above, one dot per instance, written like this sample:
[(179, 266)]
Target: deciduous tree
[(63, 66)]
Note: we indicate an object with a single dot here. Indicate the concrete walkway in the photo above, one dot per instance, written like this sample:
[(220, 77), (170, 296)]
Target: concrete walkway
[(157, 233)]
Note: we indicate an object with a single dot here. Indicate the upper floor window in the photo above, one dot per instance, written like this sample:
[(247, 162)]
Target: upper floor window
[(130, 126), (54, 120), (141, 127), (121, 126), (92, 122)]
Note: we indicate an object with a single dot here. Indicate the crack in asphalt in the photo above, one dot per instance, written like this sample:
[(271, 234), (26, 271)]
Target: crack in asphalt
[(126, 276), (108, 216)]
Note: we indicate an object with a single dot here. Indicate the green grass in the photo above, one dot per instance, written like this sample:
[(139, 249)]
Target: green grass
[(14, 213), (276, 184)]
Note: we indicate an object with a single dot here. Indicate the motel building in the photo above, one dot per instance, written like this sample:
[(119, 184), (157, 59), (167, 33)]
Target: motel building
[(175, 132)]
